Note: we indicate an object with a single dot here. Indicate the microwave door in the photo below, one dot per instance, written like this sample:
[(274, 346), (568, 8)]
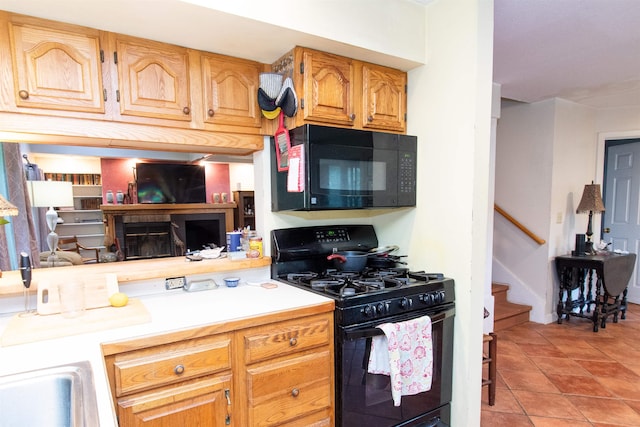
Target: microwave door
[(341, 177)]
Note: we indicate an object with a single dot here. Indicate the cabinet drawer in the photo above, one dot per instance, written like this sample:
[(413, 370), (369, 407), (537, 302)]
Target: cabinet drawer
[(165, 364), (287, 337), (291, 388)]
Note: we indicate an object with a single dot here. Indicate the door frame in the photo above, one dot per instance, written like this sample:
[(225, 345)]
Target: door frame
[(600, 159), (600, 165)]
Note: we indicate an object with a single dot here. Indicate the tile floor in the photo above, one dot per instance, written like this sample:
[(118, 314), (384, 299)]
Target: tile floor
[(567, 375)]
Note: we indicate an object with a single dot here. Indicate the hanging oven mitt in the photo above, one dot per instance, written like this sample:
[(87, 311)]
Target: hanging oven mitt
[(270, 87), (287, 98)]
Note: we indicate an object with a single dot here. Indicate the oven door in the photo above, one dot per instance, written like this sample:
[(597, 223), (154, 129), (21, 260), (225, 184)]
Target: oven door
[(365, 399)]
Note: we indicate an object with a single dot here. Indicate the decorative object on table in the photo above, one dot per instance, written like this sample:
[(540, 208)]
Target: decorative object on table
[(110, 197), (6, 209), (580, 245), (603, 247), (591, 202), (119, 197), (50, 194)]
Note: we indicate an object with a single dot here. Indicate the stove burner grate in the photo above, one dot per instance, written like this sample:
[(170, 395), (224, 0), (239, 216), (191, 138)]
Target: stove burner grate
[(301, 277)]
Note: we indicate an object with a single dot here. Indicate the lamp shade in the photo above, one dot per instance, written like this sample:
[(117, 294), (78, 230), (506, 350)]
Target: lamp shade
[(48, 194), (6, 208), (591, 199)]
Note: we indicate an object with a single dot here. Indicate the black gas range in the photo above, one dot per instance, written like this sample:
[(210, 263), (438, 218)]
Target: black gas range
[(365, 299)]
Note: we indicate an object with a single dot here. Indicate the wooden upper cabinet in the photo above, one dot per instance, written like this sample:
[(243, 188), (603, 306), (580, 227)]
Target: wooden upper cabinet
[(383, 98), (153, 79), (56, 67), (230, 88), (339, 91), (328, 85)]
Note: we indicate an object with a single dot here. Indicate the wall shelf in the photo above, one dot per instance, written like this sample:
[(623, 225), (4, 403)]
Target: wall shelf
[(244, 214)]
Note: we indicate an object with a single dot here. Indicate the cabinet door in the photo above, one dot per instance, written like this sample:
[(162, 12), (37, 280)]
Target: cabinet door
[(153, 79), (281, 391), (230, 91), (328, 88), (204, 403), (384, 100), (55, 67)]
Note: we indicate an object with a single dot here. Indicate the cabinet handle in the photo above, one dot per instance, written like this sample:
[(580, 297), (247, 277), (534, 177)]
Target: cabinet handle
[(352, 116), (210, 112), (295, 392), (293, 341), (186, 110), (23, 94), (179, 369), (369, 119)]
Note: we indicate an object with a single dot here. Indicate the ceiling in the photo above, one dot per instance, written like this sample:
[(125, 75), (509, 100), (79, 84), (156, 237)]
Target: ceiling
[(587, 51)]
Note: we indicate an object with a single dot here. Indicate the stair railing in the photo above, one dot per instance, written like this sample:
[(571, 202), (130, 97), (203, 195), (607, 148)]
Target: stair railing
[(518, 224)]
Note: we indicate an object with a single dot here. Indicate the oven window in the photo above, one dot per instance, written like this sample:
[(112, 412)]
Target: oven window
[(365, 399)]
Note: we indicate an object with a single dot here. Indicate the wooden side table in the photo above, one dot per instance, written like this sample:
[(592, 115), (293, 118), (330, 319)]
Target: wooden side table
[(609, 295)]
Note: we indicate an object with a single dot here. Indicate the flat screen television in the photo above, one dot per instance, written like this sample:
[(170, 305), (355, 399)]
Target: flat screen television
[(170, 183)]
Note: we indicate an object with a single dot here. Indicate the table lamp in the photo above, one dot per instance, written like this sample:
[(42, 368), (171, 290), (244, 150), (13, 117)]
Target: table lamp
[(45, 194), (591, 202), (6, 209)]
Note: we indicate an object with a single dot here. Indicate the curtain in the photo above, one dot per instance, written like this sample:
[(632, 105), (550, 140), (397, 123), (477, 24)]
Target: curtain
[(22, 225)]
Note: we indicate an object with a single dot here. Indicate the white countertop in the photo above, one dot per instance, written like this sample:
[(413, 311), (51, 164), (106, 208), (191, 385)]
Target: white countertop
[(170, 311)]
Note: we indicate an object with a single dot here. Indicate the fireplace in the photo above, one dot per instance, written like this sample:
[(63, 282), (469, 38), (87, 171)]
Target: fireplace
[(200, 230), (164, 235), (148, 240)]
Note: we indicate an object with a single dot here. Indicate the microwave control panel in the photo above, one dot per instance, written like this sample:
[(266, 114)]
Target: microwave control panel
[(407, 172)]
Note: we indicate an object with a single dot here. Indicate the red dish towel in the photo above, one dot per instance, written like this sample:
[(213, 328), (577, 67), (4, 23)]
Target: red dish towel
[(404, 353)]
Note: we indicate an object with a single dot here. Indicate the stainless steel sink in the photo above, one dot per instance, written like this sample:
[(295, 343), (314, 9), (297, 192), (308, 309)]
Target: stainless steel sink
[(61, 396)]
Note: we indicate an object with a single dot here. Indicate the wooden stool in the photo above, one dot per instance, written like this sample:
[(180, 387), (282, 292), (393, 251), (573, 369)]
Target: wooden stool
[(489, 358)]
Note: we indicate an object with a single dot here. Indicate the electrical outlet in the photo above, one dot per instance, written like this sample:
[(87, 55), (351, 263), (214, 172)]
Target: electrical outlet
[(174, 282)]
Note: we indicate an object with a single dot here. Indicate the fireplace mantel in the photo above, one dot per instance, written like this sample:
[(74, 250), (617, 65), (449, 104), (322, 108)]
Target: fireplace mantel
[(112, 211)]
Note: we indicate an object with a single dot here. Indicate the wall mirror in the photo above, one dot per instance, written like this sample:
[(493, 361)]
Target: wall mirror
[(86, 161)]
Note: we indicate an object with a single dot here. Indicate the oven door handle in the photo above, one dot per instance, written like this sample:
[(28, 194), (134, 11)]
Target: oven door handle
[(368, 332)]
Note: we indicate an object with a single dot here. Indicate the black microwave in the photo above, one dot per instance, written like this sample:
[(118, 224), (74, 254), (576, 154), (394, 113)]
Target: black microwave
[(335, 168)]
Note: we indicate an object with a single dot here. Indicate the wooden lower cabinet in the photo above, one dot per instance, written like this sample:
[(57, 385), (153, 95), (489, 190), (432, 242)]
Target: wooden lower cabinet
[(276, 373), (288, 374), (283, 390), (203, 402)]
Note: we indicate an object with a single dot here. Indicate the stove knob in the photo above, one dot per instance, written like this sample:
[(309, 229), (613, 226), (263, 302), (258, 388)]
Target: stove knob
[(429, 299), (442, 296), (368, 311), (381, 308), (405, 303)]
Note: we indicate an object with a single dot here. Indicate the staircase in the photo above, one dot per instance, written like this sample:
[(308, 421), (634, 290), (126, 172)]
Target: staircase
[(507, 314)]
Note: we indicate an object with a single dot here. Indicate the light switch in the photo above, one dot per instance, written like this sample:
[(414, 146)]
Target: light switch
[(559, 218)]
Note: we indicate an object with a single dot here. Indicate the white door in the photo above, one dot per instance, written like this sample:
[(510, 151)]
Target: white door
[(621, 220)]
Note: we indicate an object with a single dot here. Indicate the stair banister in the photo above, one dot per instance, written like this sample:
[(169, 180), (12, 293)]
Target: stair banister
[(517, 223)]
